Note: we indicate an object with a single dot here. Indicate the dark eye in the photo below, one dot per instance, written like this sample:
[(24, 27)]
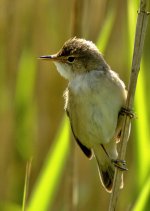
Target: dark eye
[(71, 59)]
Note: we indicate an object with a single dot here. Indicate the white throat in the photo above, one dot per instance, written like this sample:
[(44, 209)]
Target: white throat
[(64, 70)]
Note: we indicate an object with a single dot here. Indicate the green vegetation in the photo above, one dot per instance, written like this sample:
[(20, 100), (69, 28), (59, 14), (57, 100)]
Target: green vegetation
[(32, 123)]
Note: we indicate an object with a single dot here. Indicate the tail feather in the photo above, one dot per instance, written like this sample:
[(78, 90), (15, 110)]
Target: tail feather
[(107, 176), (105, 167), (106, 173)]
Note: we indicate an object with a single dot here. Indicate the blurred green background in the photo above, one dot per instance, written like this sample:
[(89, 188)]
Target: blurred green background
[(32, 123)]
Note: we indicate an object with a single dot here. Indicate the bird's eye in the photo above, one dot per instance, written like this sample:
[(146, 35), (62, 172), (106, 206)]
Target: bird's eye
[(71, 59)]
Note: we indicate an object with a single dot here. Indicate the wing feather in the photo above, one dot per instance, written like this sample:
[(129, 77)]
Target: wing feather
[(84, 149)]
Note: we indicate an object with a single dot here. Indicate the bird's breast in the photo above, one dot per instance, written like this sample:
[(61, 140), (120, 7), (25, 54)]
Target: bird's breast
[(93, 106)]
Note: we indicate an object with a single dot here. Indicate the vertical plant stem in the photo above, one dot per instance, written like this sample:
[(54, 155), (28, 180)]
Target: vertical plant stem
[(26, 184), (72, 178), (78, 10), (141, 26)]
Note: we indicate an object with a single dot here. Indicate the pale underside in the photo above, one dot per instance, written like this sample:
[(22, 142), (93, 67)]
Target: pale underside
[(93, 101)]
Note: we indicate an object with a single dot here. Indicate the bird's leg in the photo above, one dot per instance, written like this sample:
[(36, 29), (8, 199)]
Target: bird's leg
[(120, 164), (128, 112)]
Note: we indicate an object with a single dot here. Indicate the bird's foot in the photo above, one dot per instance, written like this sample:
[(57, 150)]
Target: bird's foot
[(128, 112), (120, 164)]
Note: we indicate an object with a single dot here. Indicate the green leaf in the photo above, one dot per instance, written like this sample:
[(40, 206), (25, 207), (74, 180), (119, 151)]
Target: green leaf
[(142, 131), (106, 30), (48, 181), (142, 134), (25, 107), (143, 202), (9, 206)]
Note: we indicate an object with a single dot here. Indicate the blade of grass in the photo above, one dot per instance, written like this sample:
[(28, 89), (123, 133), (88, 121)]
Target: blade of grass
[(106, 30), (143, 201), (25, 107), (46, 186), (9, 206), (142, 135), (26, 185), (142, 132)]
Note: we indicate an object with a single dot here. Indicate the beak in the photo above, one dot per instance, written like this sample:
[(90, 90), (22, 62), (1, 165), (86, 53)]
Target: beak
[(49, 57)]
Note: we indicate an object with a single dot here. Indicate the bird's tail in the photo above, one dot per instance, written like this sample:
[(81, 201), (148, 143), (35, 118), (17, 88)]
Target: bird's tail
[(105, 167)]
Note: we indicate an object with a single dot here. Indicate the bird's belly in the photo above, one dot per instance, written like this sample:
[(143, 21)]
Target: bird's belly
[(93, 120), (94, 101)]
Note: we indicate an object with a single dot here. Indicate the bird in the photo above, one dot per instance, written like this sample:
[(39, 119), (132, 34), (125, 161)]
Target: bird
[(93, 98)]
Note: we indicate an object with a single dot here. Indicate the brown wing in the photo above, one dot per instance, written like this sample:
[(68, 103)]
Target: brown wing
[(85, 150)]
